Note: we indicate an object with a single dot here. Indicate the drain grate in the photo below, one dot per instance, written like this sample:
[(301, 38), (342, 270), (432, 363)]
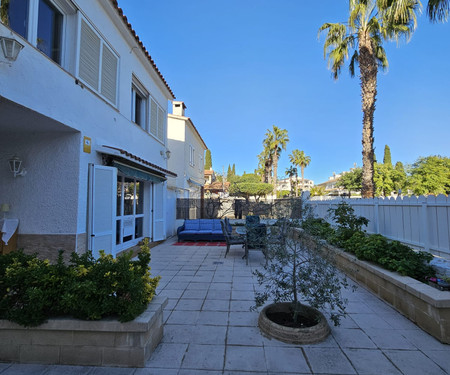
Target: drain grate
[(217, 262)]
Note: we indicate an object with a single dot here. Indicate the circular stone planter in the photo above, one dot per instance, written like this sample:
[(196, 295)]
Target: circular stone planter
[(307, 335)]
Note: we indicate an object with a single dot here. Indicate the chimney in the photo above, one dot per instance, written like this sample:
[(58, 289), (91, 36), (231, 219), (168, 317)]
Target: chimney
[(178, 108)]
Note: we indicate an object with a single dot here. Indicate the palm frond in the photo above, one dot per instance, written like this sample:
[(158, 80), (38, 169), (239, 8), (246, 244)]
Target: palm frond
[(438, 10), (353, 60)]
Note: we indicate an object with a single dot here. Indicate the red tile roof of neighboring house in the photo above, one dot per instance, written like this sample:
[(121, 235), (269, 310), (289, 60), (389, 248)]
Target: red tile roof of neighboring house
[(142, 161), (139, 42)]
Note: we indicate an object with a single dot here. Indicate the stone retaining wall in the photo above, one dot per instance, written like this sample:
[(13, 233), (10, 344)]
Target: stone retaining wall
[(91, 343), (426, 306)]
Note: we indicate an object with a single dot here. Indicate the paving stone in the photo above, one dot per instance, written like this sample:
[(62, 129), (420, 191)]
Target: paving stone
[(370, 321), (422, 340), (219, 294), (412, 362), (389, 339), (167, 355), (176, 333), (194, 294), (155, 371), (207, 357), (245, 358), (352, 338), (242, 295), (243, 318), (69, 370), (218, 318), (237, 305), (283, 360), (440, 357), (216, 305), (244, 336), (220, 286), (328, 361), (189, 304), (198, 286), (205, 334), (25, 369), (371, 362), (112, 371), (183, 317)]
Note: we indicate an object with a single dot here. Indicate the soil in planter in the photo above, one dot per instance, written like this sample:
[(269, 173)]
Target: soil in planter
[(287, 320)]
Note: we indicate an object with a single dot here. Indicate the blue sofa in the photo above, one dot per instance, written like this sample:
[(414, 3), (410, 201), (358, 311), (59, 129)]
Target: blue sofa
[(201, 230)]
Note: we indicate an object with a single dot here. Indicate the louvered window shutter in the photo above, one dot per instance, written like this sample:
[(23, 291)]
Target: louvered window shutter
[(109, 75), (89, 64), (154, 118), (160, 124)]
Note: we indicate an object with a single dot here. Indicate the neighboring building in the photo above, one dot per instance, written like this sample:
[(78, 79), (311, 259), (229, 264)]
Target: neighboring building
[(187, 160), (85, 109), (210, 176), (331, 185), (289, 184)]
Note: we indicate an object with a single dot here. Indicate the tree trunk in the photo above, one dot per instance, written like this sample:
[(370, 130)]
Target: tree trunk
[(302, 168), (275, 171), (368, 70)]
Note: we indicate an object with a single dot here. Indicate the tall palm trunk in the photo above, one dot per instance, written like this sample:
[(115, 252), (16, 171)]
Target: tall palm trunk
[(302, 168), (368, 69), (275, 171)]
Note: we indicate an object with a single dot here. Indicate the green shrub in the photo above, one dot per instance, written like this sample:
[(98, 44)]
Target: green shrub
[(32, 290), (348, 235)]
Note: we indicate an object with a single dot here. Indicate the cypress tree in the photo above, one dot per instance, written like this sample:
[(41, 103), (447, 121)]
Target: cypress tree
[(208, 160), (387, 156)]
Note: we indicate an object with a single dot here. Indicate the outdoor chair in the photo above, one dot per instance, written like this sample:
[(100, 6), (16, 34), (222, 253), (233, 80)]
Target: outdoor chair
[(256, 232), (234, 240)]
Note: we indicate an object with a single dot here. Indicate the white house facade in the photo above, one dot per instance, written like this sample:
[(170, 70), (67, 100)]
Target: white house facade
[(84, 108), (187, 160)]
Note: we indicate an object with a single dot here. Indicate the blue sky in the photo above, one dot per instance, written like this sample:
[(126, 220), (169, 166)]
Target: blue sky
[(242, 66)]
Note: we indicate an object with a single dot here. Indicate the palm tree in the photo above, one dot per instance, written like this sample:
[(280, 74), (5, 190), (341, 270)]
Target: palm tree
[(370, 23), (275, 141), (291, 172), (299, 159), (437, 10)]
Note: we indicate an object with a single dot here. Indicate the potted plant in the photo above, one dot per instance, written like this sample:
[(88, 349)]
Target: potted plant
[(301, 282)]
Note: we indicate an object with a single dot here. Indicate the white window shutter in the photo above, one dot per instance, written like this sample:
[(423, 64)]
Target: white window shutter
[(109, 75), (89, 63), (154, 118), (161, 120)]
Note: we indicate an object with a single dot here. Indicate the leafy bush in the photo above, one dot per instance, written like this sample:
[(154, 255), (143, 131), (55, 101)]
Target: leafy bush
[(376, 248), (32, 290)]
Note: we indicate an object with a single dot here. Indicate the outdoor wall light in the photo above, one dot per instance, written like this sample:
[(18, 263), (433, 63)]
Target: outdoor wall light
[(165, 155), (4, 208), (15, 166), (10, 48)]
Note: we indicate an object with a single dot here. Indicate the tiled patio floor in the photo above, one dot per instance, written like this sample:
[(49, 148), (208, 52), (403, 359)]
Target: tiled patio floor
[(210, 330)]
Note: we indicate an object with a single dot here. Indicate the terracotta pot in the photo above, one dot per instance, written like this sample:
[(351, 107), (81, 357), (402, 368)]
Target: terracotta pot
[(307, 335)]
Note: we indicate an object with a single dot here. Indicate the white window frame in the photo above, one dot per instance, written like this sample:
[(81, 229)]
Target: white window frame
[(137, 89), (121, 216), (103, 44), (66, 8)]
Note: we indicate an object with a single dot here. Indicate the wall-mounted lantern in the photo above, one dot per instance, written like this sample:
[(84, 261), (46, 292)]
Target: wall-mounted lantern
[(10, 48)]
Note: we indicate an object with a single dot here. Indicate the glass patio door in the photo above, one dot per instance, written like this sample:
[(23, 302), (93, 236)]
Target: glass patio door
[(130, 212)]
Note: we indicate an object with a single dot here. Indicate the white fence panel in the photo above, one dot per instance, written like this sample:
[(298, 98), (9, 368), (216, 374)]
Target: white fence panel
[(422, 222)]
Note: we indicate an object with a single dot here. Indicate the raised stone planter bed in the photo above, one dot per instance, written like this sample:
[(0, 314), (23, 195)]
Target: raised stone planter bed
[(92, 343), (426, 306)]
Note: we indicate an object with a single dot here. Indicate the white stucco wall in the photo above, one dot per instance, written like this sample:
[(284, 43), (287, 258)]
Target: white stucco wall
[(37, 83), (45, 200)]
